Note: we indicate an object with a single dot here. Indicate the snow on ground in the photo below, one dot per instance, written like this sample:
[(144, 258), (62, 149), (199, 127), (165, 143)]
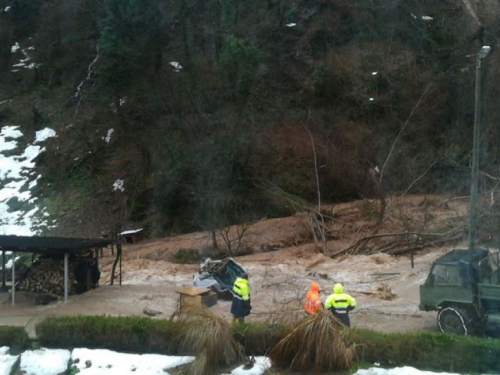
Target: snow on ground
[(45, 361), (106, 362), (399, 371), (16, 178), (6, 361), (261, 365)]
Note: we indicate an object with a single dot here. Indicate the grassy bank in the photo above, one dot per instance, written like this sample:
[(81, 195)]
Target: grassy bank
[(425, 350), (428, 350), (14, 337), (143, 335)]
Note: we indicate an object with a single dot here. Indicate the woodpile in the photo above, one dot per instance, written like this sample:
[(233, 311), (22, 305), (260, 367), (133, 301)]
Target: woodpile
[(47, 276)]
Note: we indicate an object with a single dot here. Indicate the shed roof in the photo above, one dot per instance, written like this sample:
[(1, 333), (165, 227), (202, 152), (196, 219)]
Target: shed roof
[(50, 244)]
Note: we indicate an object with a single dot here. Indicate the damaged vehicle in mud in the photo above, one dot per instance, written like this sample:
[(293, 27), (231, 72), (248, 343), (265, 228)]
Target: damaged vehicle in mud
[(219, 275)]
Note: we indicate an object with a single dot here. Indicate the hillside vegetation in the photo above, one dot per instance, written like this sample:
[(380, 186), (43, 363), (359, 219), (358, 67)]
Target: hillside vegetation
[(216, 112)]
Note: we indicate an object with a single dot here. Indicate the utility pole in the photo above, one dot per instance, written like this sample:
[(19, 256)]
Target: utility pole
[(473, 217)]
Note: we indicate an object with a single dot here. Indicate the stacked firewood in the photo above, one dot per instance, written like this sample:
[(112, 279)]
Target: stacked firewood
[(47, 276)]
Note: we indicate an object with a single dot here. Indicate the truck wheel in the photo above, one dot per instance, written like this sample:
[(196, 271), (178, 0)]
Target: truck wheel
[(458, 320)]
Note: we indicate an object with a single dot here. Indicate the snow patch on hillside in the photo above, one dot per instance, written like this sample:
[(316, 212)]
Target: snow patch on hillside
[(17, 179)]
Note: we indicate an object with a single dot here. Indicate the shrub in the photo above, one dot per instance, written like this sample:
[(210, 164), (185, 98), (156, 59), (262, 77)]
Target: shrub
[(317, 341), (427, 350), (14, 337), (186, 256), (211, 339), (128, 334), (257, 338)]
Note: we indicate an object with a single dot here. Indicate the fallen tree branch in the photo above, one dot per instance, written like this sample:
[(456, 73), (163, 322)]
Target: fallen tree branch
[(364, 240)]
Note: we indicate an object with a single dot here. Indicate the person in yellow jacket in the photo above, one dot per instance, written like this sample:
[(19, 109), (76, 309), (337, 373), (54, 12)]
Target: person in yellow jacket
[(240, 306), (340, 303), (313, 300)]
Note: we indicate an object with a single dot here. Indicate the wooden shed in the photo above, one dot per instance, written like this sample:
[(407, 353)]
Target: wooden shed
[(47, 246)]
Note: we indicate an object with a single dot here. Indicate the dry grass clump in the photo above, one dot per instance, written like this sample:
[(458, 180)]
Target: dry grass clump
[(282, 315), (381, 258), (384, 291), (317, 342), (209, 337)]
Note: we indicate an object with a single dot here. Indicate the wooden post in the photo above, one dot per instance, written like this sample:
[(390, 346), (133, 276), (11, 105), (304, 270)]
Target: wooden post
[(3, 271), (66, 276), (96, 252), (117, 241), (118, 259), (119, 254), (13, 278)]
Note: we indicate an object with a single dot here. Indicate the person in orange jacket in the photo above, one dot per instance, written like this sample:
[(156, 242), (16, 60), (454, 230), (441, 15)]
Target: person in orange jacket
[(313, 300)]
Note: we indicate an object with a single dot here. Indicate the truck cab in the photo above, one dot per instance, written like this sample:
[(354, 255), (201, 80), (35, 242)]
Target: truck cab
[(464, 287)]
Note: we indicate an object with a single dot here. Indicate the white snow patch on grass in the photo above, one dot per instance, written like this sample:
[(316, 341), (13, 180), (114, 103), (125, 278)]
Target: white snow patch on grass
[(10, 131), (406, 370), (6, 361), (107, 362), (118, 185), (260, 366), (17, 169), (32, 66), (45, 134), (108, 135), (176, 65), (45, 361)]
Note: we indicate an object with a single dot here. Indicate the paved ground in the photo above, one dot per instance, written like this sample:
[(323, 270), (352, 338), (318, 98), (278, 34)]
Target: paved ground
[(105, 300)]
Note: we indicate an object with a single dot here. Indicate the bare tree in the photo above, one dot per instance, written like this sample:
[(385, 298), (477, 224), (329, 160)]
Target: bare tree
[(233, 238), (116, 230), (378, 176), (316, 219)]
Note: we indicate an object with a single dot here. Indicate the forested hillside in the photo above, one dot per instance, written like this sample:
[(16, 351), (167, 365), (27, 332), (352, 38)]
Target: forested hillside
[(221, 111)]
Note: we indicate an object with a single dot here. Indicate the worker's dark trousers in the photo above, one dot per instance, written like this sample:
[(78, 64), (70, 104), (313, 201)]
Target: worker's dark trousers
[(343, 317)]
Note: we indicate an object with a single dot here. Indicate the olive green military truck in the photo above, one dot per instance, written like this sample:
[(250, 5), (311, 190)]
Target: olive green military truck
[(463, 286)]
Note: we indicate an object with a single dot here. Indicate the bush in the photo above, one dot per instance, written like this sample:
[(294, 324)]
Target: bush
[(317, 341), (186, 256), (14, 337), (144, 335), (127, 334), (212, 340), (428, 350), (258, 338)]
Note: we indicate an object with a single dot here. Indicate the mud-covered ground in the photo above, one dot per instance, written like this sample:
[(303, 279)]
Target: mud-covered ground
[(283, 262), (279, 281)]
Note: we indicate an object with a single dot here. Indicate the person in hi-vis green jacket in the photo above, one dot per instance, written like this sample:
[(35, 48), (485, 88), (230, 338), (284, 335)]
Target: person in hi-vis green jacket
[(340, 303), (241, 299)]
